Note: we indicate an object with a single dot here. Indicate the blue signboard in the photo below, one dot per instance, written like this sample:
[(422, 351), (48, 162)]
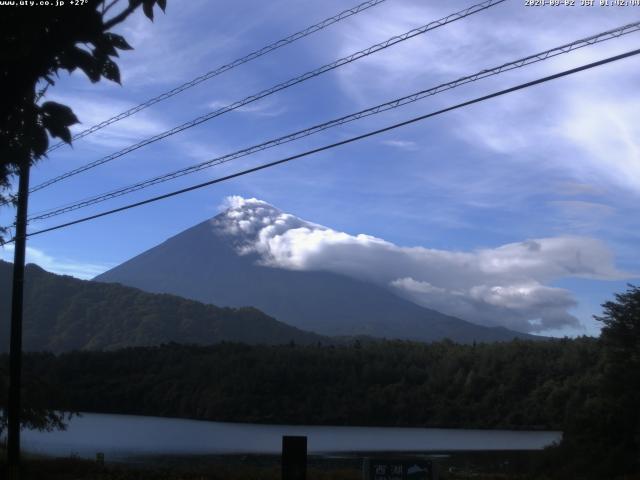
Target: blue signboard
[(383, 469)]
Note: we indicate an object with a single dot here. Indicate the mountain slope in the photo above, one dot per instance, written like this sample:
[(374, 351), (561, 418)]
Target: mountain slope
[(63, 313), (203, 263)]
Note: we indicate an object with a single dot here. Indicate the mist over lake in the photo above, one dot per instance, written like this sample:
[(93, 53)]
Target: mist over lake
[(121, 436)]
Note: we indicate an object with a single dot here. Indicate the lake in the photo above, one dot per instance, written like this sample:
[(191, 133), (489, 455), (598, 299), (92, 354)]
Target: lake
[(121, 436)]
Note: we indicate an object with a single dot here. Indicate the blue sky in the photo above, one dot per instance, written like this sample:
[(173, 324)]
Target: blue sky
[(558, 161)]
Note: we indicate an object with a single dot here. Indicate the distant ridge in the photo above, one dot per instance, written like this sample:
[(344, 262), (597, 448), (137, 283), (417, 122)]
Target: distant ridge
[(63, 313), (203, 263)]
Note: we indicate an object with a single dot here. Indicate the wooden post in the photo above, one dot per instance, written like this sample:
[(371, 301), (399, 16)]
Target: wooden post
[(294, 458), (15, 347)]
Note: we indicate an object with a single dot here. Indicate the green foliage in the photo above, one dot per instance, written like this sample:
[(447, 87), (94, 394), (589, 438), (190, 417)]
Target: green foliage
[(63, 313), (519, 384), (56, 118), (35, 414), (36, 44), (602, 434), (621, 338)]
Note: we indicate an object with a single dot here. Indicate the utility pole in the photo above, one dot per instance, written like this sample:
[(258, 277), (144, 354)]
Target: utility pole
[(15, 348)]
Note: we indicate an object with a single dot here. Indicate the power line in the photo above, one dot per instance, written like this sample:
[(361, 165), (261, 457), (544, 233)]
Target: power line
[(219, 70), (538, 57), (281, 86), (343, 142)]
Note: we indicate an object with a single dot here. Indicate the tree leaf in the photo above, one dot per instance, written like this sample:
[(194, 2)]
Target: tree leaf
[(147, 8), (86, 62), (104, 46), (118, 41), (162, 4), (57, 118), (61, 113), (57, 129), (111, 71)]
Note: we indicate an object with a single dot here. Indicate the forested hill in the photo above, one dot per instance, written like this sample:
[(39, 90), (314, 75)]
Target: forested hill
[(63, 313), (519, 384)]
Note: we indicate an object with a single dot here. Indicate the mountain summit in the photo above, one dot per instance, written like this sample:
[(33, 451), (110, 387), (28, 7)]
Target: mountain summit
[(242, 258)]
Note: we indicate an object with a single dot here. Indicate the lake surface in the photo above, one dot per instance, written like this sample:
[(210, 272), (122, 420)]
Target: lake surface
[(121, 436)]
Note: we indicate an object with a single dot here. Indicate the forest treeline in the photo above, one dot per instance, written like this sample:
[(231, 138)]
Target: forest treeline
[(63, 313), (519, 384), (589, 388)]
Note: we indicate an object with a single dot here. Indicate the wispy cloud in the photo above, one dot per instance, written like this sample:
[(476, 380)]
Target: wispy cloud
[(581, 207), (61, 266), (262, 108), (604, 128), (588, 137), (163, 54), (579, 189), (583, 126), (92, 109), (407, 145)]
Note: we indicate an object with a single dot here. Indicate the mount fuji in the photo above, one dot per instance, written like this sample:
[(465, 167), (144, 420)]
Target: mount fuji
[(237, 259)]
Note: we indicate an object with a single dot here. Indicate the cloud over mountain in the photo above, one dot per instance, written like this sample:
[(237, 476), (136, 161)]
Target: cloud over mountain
[(507, 285)]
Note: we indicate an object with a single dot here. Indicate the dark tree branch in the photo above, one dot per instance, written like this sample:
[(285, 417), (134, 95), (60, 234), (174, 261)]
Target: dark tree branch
[(122, 16), (42, 92), (108, 7)]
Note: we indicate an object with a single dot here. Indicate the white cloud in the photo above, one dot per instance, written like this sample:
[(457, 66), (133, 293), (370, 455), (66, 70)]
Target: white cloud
[(526, 306), (578, 189), (507, 285), (93, 109), (262, 108), (60, 266), (582, 126), (582, 215), (163, 54), (591, 137), (604, 127), (401, 144)]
